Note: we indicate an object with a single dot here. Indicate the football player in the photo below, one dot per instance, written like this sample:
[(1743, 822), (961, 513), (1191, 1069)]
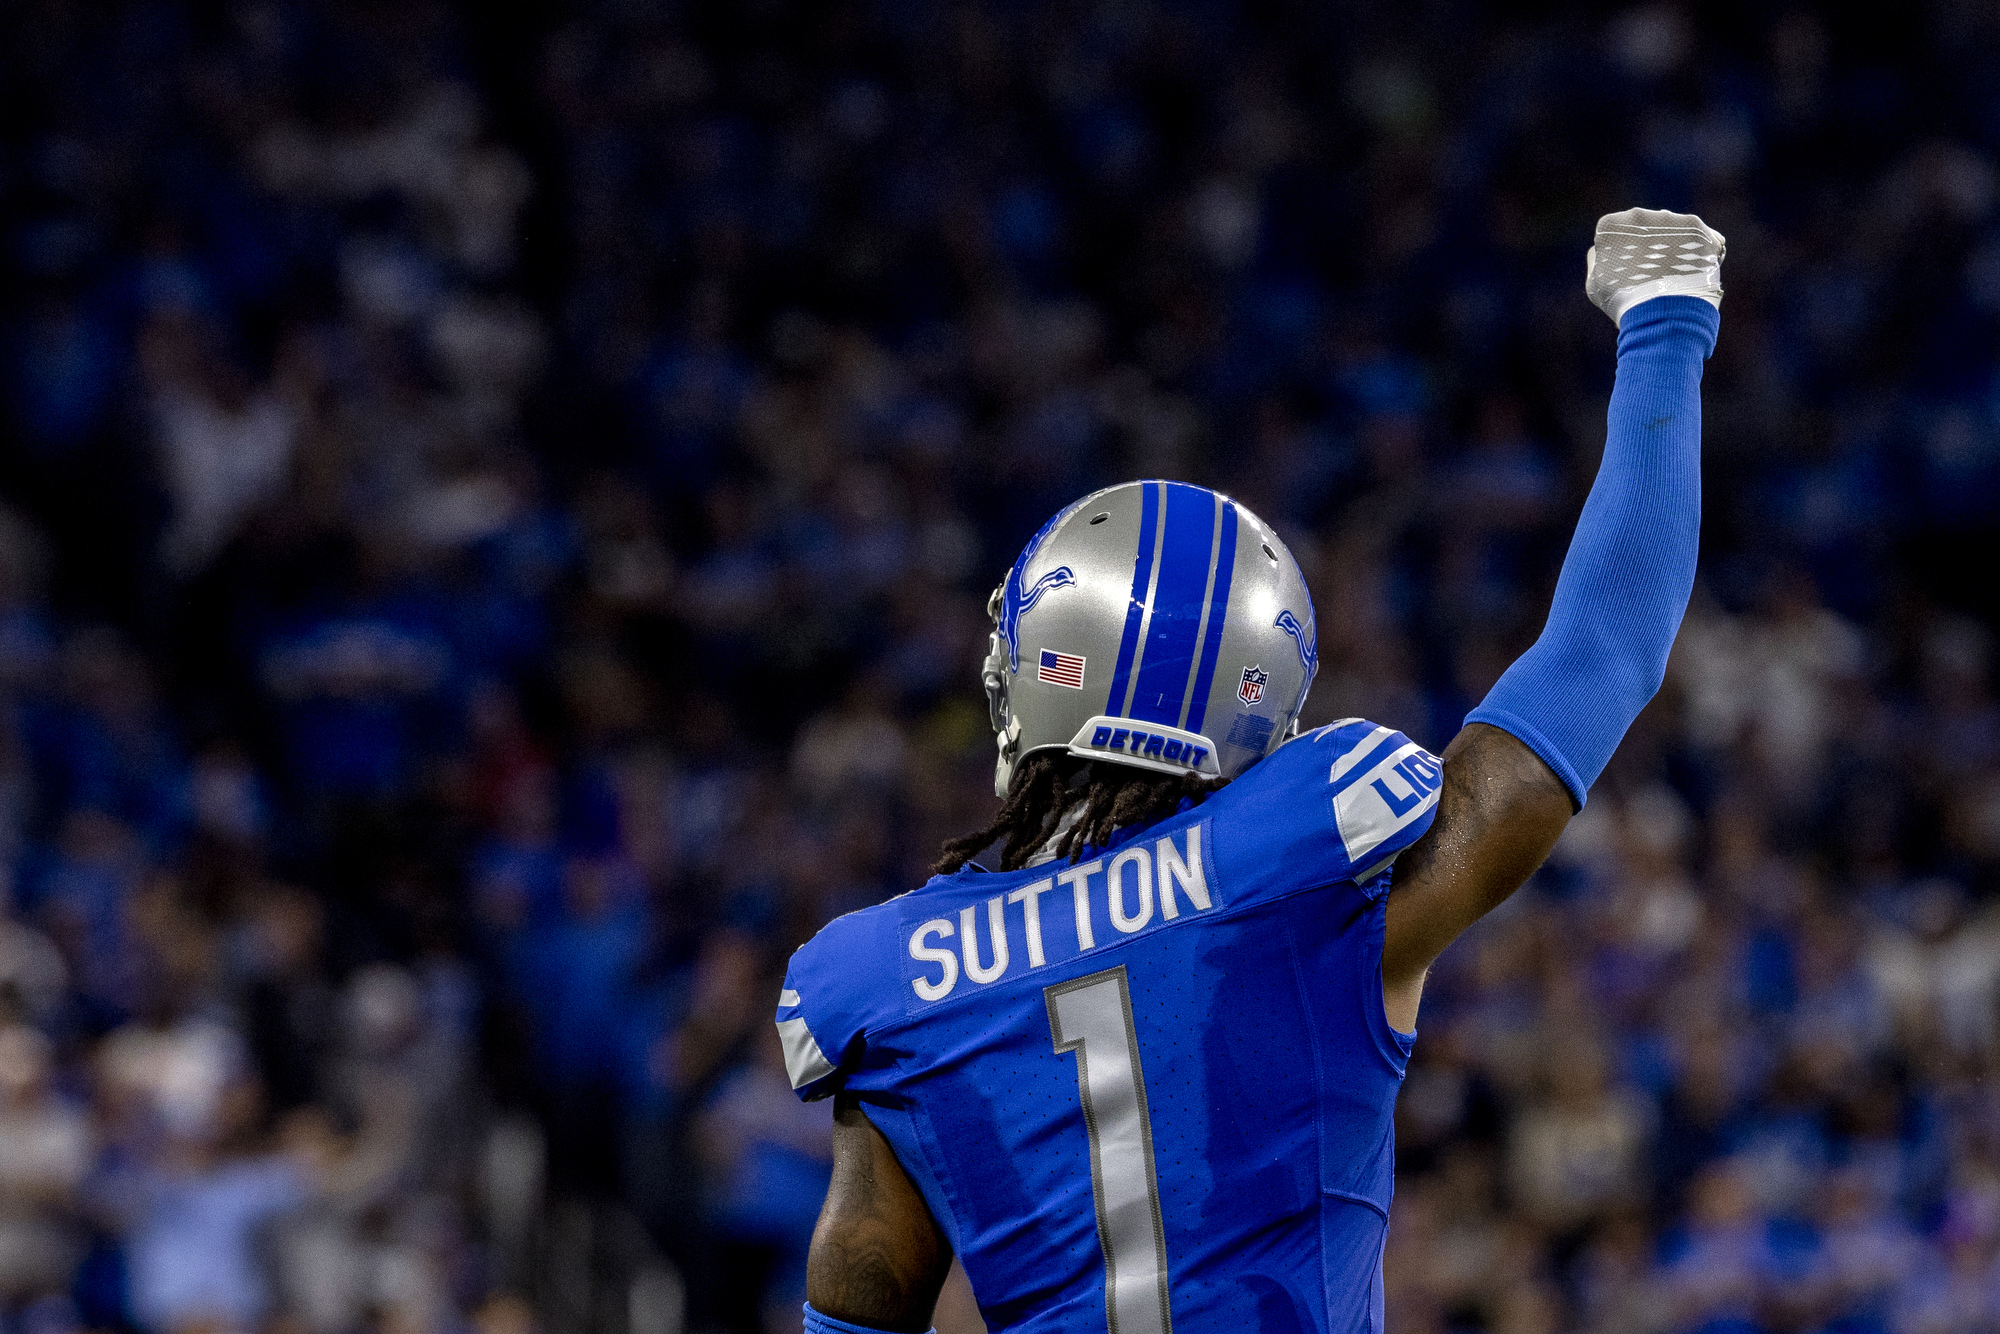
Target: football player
[(1140, 1075)]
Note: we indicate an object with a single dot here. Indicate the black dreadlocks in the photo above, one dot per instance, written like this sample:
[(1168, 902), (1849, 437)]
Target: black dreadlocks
[(1050, 784)]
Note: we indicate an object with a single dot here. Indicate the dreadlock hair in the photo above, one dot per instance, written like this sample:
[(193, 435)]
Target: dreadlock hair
[(1097, 799)]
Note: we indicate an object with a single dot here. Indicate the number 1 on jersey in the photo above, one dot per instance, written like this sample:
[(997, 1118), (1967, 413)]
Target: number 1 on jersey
[(1092, 1016)]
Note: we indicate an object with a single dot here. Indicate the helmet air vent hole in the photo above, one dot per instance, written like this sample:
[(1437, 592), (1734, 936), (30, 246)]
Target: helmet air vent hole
[(1272, 554), (1100, 518)]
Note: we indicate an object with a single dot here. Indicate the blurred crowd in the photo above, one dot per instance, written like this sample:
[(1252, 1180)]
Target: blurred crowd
[(500, 503)]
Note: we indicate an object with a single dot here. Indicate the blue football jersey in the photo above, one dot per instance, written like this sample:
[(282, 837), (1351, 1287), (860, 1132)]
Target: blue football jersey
[(1154, 1090)]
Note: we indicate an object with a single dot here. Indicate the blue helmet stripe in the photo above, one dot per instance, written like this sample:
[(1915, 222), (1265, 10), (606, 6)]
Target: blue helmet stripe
[(1167, 659), (1207, 603), (1218, 612), (1135, 610)]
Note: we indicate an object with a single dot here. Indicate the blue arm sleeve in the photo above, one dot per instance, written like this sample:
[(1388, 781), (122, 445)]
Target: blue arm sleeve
[(1630, 569)]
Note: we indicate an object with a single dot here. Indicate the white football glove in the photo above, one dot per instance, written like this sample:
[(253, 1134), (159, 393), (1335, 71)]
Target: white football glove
[(1647, 252)]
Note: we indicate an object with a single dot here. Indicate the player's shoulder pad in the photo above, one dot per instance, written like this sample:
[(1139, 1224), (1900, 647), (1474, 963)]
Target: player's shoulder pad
[(1371, 787), (832, 998)]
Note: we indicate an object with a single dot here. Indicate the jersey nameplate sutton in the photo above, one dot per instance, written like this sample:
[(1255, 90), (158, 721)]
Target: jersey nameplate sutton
[(1152, 1091)]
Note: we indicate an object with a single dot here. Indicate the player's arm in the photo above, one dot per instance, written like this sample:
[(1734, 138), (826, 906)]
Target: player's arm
[(878, 1258), (1529, 753)]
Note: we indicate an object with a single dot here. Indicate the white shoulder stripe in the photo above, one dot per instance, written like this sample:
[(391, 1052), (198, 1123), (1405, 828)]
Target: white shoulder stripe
[(804, 1061), (1325, 730), (1370, 810), (1357, 753), (787, 998)]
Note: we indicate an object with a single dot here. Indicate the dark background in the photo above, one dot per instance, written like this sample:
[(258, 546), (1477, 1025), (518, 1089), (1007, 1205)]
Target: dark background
[(500, 501)]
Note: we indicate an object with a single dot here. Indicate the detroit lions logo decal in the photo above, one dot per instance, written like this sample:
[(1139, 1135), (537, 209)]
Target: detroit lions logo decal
[(1017, 602), (1307, 639), (1014, 601)]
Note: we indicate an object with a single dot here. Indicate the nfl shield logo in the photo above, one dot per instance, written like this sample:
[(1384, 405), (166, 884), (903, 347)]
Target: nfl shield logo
[(1252, 688)]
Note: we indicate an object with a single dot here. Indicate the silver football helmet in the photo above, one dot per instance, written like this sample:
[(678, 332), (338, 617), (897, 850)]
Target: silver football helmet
[(1154, 624)]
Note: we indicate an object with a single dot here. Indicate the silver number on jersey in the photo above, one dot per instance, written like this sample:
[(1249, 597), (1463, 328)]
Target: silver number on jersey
[(1092, 1016)]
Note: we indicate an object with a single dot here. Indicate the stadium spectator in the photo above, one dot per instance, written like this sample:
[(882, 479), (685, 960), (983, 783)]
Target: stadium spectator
[(509, 498)]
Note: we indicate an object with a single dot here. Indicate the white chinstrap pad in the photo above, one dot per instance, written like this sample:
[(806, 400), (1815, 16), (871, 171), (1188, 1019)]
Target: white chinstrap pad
[(1168, 750)]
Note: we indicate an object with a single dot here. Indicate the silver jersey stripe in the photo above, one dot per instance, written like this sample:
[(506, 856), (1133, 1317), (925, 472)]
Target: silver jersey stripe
[(804, 1061)]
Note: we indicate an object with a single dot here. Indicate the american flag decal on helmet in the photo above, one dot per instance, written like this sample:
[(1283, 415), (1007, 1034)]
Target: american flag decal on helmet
[(1060, 669)]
